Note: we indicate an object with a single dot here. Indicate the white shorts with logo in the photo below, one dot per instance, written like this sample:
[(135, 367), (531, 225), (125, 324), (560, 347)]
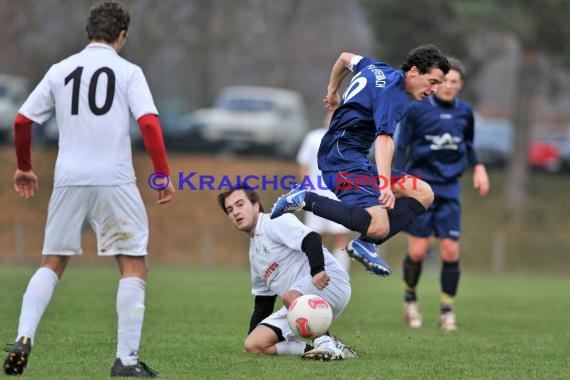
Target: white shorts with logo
[(337, 293), (115, 213)]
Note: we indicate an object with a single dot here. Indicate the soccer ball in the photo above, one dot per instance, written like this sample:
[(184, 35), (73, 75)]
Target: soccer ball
[(310, 316)]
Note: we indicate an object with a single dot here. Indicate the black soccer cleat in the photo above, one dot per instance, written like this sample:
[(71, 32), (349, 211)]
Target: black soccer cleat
[(18, 354), (136, 370)]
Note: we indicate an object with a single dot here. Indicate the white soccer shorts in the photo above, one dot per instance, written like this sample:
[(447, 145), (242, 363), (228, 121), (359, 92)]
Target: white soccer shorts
[(115, 213)]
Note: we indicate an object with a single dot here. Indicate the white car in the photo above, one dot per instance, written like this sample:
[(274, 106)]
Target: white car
[(255, 118)]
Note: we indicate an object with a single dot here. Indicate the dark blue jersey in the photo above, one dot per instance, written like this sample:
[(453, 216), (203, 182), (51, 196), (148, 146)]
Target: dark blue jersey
[(436, 138), (373, 104)]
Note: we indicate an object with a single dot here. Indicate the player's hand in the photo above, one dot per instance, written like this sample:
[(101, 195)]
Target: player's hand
[(321, 280), (165, 195), (387, 199), (26, 183), (481, 180), (332, 101)]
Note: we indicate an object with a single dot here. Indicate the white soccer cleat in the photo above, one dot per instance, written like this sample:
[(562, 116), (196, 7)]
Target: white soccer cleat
[(347, 351), (412, 315), (447, 322), (325, 350)]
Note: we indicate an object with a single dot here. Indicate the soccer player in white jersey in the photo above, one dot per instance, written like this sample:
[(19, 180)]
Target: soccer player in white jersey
[(288, 260), (92, 93)]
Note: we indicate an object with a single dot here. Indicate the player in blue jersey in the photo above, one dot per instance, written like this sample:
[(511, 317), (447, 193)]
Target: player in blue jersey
[(435, 141), (375, 101)]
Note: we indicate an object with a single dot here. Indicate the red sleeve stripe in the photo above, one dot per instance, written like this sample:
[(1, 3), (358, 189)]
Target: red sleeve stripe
[(153, 142), (23, 142)]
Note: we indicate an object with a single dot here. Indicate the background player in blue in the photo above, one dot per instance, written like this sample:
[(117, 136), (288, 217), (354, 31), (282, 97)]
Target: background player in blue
[(435, 140), (376, 99)]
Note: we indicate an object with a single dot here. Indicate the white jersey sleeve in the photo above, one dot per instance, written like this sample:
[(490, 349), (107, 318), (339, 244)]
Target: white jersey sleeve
[(40, 104)]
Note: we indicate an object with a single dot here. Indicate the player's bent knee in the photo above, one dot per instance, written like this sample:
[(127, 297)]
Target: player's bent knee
[(252, 346), (378, 231), (424, 194)]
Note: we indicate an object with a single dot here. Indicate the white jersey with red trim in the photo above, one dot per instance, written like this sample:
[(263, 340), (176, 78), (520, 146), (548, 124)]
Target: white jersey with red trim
[(92, 93), (276, 259)]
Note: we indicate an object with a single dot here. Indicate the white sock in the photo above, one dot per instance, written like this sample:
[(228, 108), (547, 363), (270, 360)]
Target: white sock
[(342, 257), (35, 300), (290, 347), (130, 313)]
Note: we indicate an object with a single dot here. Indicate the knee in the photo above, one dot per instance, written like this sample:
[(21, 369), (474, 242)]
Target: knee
[(251, 346), (449, 250), (416, 255), (425, 195), (378, 230)]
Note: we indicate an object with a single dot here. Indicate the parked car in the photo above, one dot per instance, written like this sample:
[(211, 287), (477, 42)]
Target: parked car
[(13, 92), (493, 140), (255, 118), (544, 152), (182, 133)]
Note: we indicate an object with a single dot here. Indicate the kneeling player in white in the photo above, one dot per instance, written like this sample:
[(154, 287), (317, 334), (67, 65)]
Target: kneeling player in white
[(287, 259)]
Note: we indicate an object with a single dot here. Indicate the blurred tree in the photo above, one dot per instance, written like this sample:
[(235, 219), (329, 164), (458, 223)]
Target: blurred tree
[(541, 29)]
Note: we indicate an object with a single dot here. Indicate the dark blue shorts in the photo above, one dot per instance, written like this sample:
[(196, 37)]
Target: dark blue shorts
[(442, 219), (360, 186)]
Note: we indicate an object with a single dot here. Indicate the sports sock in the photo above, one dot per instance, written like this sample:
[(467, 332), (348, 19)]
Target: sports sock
[(449, 278), (342, 257), (290, 347), (35, 300), (353, 217), (130, 312), (405, 211), (411, 273)]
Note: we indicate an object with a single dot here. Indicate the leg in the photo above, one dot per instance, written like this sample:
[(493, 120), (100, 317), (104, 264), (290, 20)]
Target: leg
[(412, 269), (448, 225), (450, 273), (35, 301), (262, 341), (130, 306), (340, 241), (273, 336)]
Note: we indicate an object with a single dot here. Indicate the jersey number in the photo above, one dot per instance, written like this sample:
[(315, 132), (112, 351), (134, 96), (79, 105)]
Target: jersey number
[(75, 76), (356, 85)]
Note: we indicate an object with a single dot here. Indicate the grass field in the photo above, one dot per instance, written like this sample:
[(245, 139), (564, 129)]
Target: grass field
[(510, 328)]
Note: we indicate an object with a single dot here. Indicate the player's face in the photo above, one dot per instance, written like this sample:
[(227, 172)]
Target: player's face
[(419, 86), (242, 212), (451, 85)]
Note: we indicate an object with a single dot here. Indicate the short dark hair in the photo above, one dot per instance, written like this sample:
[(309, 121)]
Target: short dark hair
[(252, 195), (455, 64), (425, 58), (106, 21)]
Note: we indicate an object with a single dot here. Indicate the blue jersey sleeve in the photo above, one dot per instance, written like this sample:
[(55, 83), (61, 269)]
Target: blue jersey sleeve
[(472, 157)]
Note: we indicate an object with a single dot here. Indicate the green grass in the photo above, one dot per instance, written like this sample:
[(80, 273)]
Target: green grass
[(510, 328)]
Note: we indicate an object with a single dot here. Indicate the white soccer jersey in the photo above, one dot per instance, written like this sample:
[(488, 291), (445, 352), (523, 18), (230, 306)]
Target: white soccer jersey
[(275, 255), (91, 93)]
